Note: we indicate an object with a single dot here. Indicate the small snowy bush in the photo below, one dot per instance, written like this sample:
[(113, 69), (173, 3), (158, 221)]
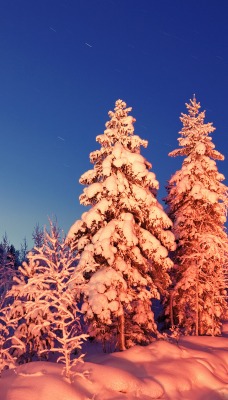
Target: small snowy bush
[(45, 304), (8, 341)]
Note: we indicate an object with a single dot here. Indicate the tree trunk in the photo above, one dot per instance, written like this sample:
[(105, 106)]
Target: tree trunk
[(197, 305), (213, 312), (171, 309), (121, 327)]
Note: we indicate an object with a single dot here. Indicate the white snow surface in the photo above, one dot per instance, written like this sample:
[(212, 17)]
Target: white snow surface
[(192, 368)]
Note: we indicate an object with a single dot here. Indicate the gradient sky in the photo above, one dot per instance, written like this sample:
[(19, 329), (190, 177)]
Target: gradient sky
[(64, 63)]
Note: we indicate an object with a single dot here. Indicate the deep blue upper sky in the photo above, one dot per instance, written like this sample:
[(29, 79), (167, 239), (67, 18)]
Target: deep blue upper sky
[(64, 63)]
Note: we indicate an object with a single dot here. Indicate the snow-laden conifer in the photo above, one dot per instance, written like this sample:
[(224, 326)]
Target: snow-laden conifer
[(24, 250), (38, 236), (45, 304), (123, 239), (197, 202), (7, 268), (7, 324)]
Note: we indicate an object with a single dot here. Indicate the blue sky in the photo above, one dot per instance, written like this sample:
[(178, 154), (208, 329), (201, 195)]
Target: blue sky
[(63, 65)]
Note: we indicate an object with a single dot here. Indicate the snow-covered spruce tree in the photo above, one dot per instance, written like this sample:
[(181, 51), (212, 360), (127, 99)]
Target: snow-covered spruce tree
[(8, 262), (44, 302), (124, 238), (7, 325), (197, 205), (24, 250), (38, 236)]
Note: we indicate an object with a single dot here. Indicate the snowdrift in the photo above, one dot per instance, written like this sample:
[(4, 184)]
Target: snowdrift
[(194, 368)]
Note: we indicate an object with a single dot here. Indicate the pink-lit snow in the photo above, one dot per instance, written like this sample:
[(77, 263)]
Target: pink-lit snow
[(193, 368)]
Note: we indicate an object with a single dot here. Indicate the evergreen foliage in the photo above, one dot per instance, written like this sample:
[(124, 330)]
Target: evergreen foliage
[(44, 305), (38, 236), (124, 238), (9, 261), (197, 204)]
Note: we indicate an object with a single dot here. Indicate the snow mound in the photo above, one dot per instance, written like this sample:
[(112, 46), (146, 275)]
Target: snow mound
[(38, 381), (194, 368)]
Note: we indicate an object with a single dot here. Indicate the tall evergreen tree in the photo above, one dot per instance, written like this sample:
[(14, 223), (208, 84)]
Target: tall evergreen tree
[(9, 261), (38, 236), (24, 250), (197, 201), (124, 238)]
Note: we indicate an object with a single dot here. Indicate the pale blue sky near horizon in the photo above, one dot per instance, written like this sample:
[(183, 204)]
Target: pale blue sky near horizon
[(63, 65)]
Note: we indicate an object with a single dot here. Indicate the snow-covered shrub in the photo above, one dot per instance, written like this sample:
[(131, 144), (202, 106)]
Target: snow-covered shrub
[(123, 239), (8, 341), (33, 327), (45, 304), (65, 326), (197, 204)]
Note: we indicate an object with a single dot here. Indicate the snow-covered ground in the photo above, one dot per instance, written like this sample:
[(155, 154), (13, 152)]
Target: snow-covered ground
[(195, 368)]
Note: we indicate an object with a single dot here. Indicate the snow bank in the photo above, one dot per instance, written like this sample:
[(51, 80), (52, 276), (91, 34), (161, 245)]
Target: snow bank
[(194, 368), (38, 381)]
